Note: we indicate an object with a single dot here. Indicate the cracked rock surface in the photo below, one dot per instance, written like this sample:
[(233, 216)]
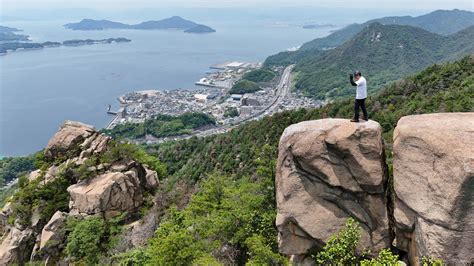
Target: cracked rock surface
[(329, 170), (433, 166)]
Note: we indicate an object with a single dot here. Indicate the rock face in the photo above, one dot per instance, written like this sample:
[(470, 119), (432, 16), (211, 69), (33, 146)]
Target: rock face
[(108, 189), (53, 236), (68, 138), (16, 246), (329, 170), (108, 193), (433, 167)]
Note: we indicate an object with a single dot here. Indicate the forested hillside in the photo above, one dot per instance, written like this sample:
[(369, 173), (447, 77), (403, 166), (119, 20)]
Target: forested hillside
[(382, 53), (444, 22), (230, 219), (216, 198)]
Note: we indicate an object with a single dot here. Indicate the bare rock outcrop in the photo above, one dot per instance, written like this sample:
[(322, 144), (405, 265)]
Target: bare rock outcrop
[(109, 193), (433, 167), (52, 238), (329, 170), (67, 140), (107, 188), (16, 246)]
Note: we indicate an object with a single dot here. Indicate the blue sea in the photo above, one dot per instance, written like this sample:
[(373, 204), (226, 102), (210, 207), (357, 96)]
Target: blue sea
[(40, 89)]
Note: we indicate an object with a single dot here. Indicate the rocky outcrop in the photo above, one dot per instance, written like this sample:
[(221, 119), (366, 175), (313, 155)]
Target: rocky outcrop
[(433, 167), (329, 170), (67, 140), (52, 238), (16, 246), (98, 188), (109, 193), (120, 188)]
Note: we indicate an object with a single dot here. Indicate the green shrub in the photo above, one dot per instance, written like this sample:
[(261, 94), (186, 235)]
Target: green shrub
[(429, 261), (85, 238), (206, 260), (134, 257), (261, 253), (385, 257), (340, 249)]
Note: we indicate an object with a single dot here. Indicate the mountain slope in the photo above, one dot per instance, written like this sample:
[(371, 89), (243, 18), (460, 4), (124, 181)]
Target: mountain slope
[(230, 217), (442, 22), (382, 53), (250, 150)]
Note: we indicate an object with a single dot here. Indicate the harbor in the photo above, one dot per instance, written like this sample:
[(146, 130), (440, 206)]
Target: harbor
[(227, 109)]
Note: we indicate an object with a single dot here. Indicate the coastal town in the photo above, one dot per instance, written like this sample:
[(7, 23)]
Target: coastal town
[(212, 96)]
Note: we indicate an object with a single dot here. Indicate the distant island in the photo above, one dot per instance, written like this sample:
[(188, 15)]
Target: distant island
[(319, 26), (200, 29), (14, 46), (175, 22), (8, 34)]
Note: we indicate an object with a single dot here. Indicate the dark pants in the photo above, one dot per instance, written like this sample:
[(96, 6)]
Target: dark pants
[(360, 103)]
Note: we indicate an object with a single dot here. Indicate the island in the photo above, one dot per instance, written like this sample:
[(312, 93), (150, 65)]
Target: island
[(8, 34), (172, 23), (15, 46), (199, 29)]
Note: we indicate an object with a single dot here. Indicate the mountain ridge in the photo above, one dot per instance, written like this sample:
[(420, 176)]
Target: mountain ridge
[(382, 53), (443, 22)]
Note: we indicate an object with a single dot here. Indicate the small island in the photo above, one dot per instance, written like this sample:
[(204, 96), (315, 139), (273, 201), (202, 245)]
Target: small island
[(172, 23), (15, 46)]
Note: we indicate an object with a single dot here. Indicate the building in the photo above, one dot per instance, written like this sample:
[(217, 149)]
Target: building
[(236, 97), (202, 98), (249, 101), (245, 110)]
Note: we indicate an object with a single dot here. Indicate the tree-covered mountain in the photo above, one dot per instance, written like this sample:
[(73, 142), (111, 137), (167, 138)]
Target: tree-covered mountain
[(217, 203), (241, 167), (444, 22), (174, 22), (382, 53)]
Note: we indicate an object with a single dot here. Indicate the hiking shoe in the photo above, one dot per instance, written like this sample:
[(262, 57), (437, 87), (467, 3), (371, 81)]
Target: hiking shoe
[(365, 118), (355, 120)]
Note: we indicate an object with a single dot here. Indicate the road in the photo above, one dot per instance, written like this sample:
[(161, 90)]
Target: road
[(282, 90)]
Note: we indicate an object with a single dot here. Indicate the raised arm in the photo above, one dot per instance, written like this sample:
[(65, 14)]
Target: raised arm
[(351, 79)]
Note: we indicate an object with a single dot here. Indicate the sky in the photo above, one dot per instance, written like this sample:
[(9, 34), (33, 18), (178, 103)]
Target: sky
[(101, 4)]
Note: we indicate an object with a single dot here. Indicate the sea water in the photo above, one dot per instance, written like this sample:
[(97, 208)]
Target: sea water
[(40, 89)]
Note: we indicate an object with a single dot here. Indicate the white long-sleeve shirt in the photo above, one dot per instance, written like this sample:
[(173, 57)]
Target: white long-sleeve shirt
[(361, 88)]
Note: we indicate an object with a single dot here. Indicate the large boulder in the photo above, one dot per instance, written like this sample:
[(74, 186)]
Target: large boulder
[(109, 194), (16, 246), (433, 168), (66, 142), (52, 238), (329, 170)]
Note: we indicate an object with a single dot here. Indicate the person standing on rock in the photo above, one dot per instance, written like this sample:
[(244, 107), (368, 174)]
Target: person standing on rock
[(361, 95)]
